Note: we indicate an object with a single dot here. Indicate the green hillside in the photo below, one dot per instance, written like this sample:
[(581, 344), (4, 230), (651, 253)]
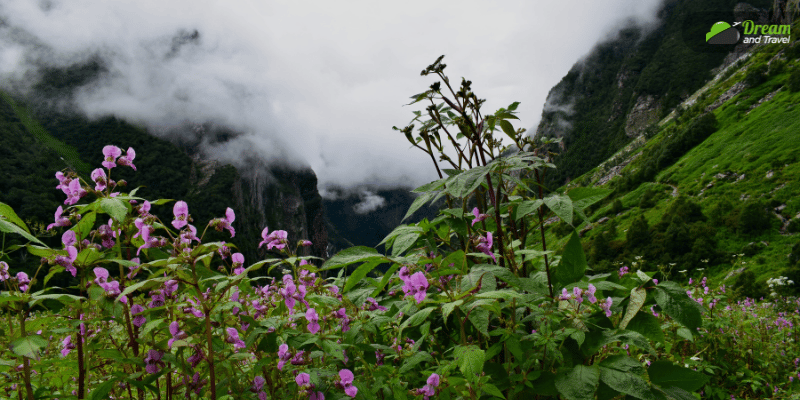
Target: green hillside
[(715, 189)]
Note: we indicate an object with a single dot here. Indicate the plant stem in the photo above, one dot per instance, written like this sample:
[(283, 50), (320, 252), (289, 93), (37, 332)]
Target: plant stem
[(26, 366), (212, 375)]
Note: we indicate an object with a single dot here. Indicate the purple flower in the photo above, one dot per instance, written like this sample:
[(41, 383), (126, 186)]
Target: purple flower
[(478, 216), (225, 223), (238, 261), (346, 382), (303, 379), (258, 383), (181, 212), (606, 305), (373, 305), (138, 320), (66, 346), (100, 179), (153, 361), (127, 159), (578, 292), (313, 318), (4, 275), (110, 155), (590, 294), (420, 286), (23, 280), (177, 334), (59, 220), (317, 396), (111, 288), (655, 281), (74, 192), (276, 239), (430, 388), (485, 245), (283, 355), (233, 337)]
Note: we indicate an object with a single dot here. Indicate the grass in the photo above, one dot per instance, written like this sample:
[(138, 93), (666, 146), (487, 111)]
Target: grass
[(68, 153)]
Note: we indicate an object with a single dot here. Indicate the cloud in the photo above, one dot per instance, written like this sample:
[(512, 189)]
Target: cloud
[(318, 84), (369, 202)]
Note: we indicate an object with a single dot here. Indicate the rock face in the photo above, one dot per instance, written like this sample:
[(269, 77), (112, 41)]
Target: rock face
[(644, 113)]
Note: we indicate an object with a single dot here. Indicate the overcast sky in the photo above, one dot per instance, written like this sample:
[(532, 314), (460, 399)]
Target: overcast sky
[(316, 83)]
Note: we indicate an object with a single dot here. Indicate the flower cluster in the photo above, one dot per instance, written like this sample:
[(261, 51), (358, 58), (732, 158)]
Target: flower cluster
[(415, 285)]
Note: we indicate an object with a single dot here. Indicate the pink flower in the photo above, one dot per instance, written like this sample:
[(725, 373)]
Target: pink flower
[(4, 275), (303, 379), (66, 346), (283, 355), (153, 361), (420, 286), (127, 159), (100, 179), (478, 216), (74, 192), (233, 337), (23, 280), (485, 245), (590, 293), (313, 318), (59, 220), (69, 240), (225, 223), (181, 212), (317, 396), (110, 155), (276, 239), (607, 306), (430, 388), (177, 334), (138, 320), (258, 383), (238, 261), (346, 382)]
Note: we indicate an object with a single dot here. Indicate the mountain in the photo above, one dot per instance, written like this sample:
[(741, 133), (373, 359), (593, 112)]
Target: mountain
[(704, 168)]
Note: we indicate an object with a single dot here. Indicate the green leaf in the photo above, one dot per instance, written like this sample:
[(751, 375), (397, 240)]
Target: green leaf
[(623, 363), (387, 276), (405, 240), (418, 317), (115, 208), (561, 206), (579, 382), (6, 212), (626, 382), (507, 295), (84, 226), (527, 207), (573, 262), (480, 318), (666, 374), (508, 128), (29, 346), (350, 256), (8, 227), (418, 203), (101, 391), (448, 308), (88, 256), (515, 347), (334, 349), (53, 270), (638, 296), (470, 361), (414, 360), (492, 389), (674, 393), (675, 303), (647, 325), (360, 272)]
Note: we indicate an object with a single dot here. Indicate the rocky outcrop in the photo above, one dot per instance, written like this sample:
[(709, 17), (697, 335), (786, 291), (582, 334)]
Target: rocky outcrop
[(644, 113)]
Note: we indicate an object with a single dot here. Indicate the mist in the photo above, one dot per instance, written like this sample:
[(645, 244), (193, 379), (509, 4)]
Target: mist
[(310, 84)]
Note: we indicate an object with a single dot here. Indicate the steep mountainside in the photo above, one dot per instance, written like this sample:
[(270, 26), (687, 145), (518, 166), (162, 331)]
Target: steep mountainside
[(626, 84)]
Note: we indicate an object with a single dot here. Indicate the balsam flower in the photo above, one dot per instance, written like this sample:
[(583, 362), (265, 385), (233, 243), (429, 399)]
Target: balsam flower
[(478, 216), (283, 355), (176, 332), (303, 380), (110, 155), (138, 319), (153, 361), (127, 159), (100, 179), (66, 346), (4, 275), (238, 261), (74, 192), (69, 240), (225, 223), (346, 382), (430, 388), (59, 220), (181, 212), (276, 239), (606, 305), (485, 245), (23, 280), (590, 294), (233, 337), (313, 320)]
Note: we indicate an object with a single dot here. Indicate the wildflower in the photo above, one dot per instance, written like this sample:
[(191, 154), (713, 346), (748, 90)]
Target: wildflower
[(655, 281), (176, 332), (346, 382), (485, 245), (225, 223), (313, 318), (127, 159), (305, 243), (181, 212), (258, 383), (590, 295), (138, 320), (283, 355), (111, 153), (373, 305), (74, 192), (59, 220), (276, 239), (622, 271), (66, 346), (578, 292), (317, 396), (153, 361), (4, 275), (196, 385), (478, 216), (430, 388), (342, 314), (23, 280), (420, 286), (100, 179), (607, 306), (564, 295), (233, 337), (238, 261)]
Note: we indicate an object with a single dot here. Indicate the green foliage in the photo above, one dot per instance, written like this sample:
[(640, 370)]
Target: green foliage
[(745, 285), (754, 218), (648, 199), (756, 75), (617, 207), (794, 81), (638, 234)]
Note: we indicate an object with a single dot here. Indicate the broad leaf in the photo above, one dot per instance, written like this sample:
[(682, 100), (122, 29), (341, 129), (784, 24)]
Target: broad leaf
[(579, 382), (418, 317), (115, 208), (8, 227), (638, 296), (29, 346), (470, 361), (349, 256), (626, 382), (561, 206), (583, 197), (573, 262), (647, 325), (84, 226), (666, 374), (675, 303), (7, 213), (414, 360), (360, 272)]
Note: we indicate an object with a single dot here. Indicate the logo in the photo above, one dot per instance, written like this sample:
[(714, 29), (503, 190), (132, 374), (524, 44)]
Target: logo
[(722, 33)]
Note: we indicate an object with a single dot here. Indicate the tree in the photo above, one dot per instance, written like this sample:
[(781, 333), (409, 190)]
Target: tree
[(638, 234), (754, 218)]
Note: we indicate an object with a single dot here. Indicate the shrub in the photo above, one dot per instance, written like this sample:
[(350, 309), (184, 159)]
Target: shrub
[(754, 218), (756, 75), (794, 81)]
